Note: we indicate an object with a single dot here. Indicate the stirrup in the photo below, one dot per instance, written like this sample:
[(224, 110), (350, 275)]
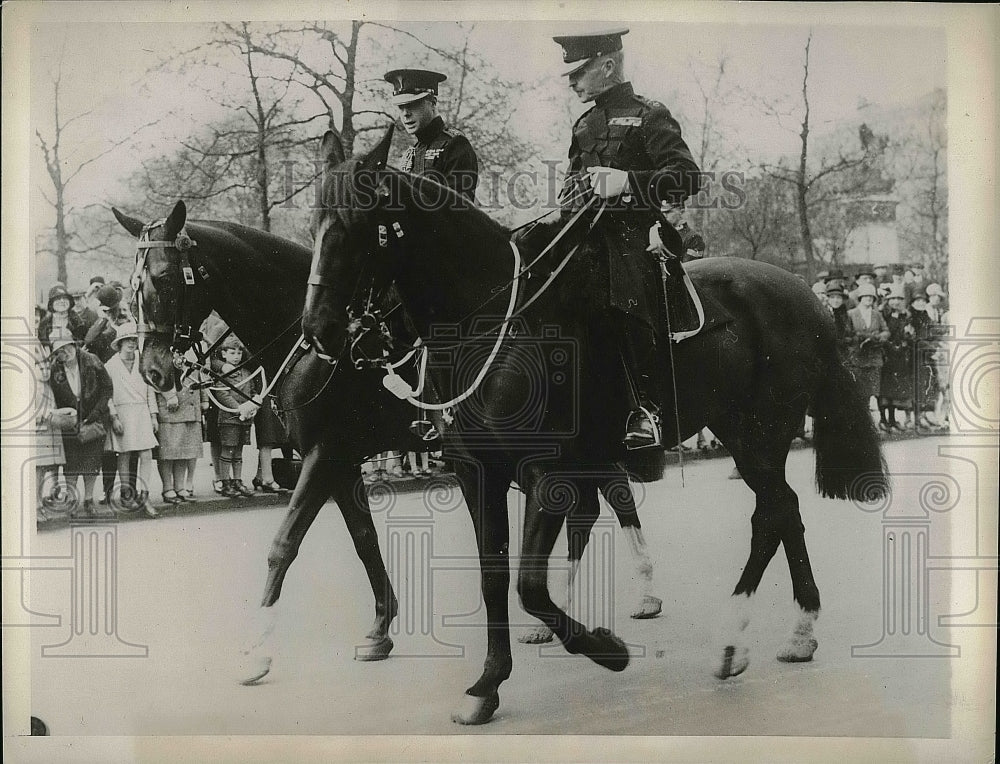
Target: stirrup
[(637, 434)]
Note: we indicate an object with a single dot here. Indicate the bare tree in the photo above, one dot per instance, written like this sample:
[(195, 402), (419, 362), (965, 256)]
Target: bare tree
[(808, 182), (922, 166), (763, 220), (233, 165), (58, 148)]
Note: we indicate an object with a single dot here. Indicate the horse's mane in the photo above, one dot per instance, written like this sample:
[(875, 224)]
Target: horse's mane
[(423, 185), (240, 238)]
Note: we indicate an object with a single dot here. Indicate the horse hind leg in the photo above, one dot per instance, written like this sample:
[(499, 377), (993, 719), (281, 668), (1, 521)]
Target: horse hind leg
[(541, 528), (780, 504), (801, 645), (775, 521), (579, 525), (764, 541), (618, 493), (353, 503)]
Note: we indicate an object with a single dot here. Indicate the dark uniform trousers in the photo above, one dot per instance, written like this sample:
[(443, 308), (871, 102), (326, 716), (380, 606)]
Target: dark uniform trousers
[(628, 132)]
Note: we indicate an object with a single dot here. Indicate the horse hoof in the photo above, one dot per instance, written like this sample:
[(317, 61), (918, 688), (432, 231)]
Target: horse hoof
[(376, 650), (650, 607), (254, 669), (608, 650), (476, 710), (734, 662), (537, 635), (798, 650)]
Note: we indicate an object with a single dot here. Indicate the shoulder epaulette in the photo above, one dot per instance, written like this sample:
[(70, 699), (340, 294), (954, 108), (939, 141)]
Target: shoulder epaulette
[(650, 103)]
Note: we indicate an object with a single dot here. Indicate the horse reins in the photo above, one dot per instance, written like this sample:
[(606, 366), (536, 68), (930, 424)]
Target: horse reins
[(401, 389), (183, 337)]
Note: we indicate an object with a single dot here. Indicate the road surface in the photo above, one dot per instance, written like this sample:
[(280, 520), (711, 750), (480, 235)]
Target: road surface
[(185, 583)]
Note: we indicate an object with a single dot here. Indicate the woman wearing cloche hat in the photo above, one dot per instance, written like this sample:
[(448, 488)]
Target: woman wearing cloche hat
[(896, 389), (870, 333), (60, 315), (79, 381), (133, 418)]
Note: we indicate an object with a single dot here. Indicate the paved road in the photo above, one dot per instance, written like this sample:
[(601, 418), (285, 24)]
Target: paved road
[(184, 584)]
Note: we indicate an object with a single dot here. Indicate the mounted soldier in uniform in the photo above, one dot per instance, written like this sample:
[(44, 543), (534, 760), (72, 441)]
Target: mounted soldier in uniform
[(628, 150), (440, 152)]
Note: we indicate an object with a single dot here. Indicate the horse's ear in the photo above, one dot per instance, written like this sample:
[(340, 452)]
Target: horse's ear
[(130, 224), (175, 220), (378, 157), (331, 150)]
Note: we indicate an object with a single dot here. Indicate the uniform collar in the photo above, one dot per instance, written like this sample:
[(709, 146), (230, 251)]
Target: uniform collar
[(618, 95), (430, 131)]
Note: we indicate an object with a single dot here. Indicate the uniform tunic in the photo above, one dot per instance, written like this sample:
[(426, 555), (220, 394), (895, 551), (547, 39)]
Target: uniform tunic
[(445, 155), (628, 132)]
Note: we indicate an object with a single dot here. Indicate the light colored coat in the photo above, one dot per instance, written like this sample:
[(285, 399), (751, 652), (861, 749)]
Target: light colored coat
[(867, 354), (135, 404)]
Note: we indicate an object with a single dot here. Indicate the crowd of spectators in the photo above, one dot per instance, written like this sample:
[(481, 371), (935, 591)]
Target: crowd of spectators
[(889, 324), (96, 416)]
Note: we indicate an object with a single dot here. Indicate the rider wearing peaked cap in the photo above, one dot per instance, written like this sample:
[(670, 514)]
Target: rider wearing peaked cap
[(627, 150), (440, 152)]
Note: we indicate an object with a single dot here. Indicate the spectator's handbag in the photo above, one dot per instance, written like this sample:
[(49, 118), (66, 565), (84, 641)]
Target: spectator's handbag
[(91, 431)]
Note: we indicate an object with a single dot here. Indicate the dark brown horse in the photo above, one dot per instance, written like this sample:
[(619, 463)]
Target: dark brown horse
[(750, 381), (256, 282)]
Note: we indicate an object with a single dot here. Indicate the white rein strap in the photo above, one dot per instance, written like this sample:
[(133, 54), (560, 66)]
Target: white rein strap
[(397, 386)]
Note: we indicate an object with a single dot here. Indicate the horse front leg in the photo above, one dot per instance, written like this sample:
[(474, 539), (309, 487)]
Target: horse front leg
[(486, 496), (541, 528), (349, 493), (311, 492)]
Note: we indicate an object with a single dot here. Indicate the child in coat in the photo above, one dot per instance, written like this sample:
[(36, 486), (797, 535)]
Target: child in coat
[(235, 417)]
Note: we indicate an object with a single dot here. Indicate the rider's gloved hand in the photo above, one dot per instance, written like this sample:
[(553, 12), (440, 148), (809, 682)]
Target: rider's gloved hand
[(608, 182)]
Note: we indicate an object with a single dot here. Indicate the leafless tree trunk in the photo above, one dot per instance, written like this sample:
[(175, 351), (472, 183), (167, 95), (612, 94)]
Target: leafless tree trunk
[(62, 173), (807, 182)]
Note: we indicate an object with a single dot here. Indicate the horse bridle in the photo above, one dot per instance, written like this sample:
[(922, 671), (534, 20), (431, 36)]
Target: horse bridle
[(182, 333), (183, 336)]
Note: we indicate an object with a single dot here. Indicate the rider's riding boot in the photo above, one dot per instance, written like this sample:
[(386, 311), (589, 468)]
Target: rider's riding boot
[(642, 427)]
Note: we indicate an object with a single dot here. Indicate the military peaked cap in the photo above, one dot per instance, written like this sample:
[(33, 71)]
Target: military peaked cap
[(579, 49), (409, 85)]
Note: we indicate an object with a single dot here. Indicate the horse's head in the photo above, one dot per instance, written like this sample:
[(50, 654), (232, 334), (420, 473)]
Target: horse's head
[(167, 299), (346, 239)]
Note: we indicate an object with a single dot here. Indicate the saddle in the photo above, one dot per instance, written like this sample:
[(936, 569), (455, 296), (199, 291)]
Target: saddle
[(662, 294)]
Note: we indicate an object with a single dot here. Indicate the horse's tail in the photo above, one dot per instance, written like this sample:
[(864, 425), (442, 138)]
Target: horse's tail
[(849, 460)]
